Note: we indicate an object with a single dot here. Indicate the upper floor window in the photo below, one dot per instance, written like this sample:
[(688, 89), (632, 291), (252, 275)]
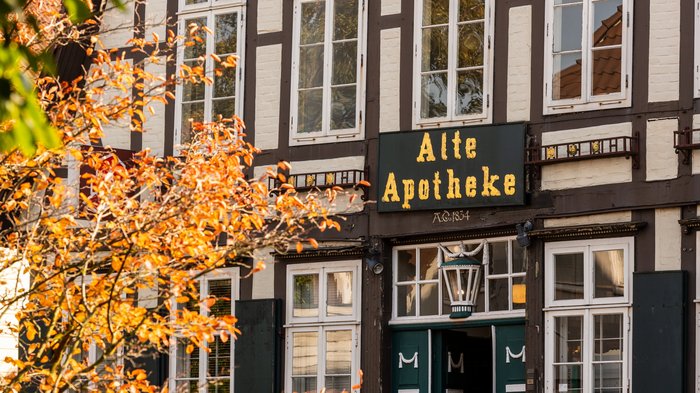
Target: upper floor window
[(327, 71), (204, 103), (420, 291), (196, 370), (453, 60), (322, 327), (588, 55)]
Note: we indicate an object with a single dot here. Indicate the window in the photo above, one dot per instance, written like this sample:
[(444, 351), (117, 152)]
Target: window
[(207, 371), (588, 55), (327, 71), (453, 60), (416, 271), (323, 327), (204, 103), (587, 315)]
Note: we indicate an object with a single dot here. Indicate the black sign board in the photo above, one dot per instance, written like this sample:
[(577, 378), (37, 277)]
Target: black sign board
[(450, 168)]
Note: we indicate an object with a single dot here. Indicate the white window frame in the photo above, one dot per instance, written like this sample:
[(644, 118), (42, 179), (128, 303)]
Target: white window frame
[(588, 328), (233, 274), (587, 247), (210, 12), (327, 135), (444, 317), (587, 102), (696, 73), (452, 120), (323, 323)]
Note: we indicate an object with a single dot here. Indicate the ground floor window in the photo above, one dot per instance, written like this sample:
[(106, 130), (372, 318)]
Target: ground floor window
[(322, 357), (588, 350)]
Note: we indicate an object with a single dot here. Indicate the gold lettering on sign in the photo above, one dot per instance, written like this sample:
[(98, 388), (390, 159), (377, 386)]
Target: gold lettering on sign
[(426, 150)]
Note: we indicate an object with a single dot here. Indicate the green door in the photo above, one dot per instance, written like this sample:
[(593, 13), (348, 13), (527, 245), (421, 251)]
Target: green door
[(510, 358), (410, 362)]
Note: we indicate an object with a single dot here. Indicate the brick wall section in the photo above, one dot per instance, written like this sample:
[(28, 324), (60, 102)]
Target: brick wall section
[(269, 16), (667, 238), (389, 84), (267, 96), (660, 156), (664, 50), (519, 63)]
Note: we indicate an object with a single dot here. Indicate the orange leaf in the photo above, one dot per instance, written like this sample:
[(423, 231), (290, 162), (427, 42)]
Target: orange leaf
[(300, 248)]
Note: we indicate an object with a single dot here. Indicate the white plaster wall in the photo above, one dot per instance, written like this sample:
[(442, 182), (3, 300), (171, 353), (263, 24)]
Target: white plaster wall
[(264, 281), (154, 126), (269, 16), (267, 96), (589, 172), (156, 18), (389, 84), (117, 26), (116, 133), (696, 153), (336, 164), (391, 7), (664, 50), (667, 239), (661, 159), (519, 63), (14, 281), (605, 218)]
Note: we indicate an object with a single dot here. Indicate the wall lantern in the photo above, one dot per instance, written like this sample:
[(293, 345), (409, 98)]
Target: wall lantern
[(463, 277)]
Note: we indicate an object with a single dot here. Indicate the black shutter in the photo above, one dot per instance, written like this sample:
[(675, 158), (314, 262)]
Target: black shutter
[(258, 350)]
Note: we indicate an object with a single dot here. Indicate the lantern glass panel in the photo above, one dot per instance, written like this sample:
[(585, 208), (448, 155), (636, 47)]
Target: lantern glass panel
[(451, 276), (467, 277)]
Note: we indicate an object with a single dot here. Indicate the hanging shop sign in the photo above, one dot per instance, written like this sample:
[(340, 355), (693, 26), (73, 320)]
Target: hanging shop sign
[(451, 168)]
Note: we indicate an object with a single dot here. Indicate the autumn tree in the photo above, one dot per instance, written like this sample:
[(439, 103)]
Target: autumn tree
[(78, 259)]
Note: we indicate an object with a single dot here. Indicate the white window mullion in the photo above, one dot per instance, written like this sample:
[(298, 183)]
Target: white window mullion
[(452, 58), (587, 51), (321, 366), (327, 68)]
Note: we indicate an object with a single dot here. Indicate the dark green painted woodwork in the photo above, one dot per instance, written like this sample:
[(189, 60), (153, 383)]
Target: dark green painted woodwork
[(659, 332), (406, 344), (510, 342)]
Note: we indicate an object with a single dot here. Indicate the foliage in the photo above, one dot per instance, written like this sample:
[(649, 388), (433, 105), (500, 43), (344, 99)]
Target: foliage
[(81, 254)]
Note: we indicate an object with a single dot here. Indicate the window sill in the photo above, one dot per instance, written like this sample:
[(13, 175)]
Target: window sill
[(483, 316), (428, 124), (315, 140), (555, 109), (623, 303)]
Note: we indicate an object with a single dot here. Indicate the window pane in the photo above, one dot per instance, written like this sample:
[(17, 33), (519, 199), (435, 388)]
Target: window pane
[(471, 45), (469, 92), (226, 108), (338, 384), (518, 257), (195, 48), (304, 353), (608, 338), (568, 339), (498, 295), (568, 378), (428, 264), (310, 110), (226, 33), (609, 273), (567, 28), (339, 352), (345, 22), (339, 295), (311, 66), (225, 84), (428, 299), (219, 358), (186, 365), (189, 2), (313, 22), (406, 300), (306, 295), (519, 293), (499, 258), (607, 22), (219, 386), (436, 12), (434, 95), (304, 385), (568, 276), (435, 49), (343, 105), (192, 91), (193, 112), (607, 71), (406, 265), (607, 378), (344, 63), (471, 10), (221, 289), (187, 387), (566, 78)]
